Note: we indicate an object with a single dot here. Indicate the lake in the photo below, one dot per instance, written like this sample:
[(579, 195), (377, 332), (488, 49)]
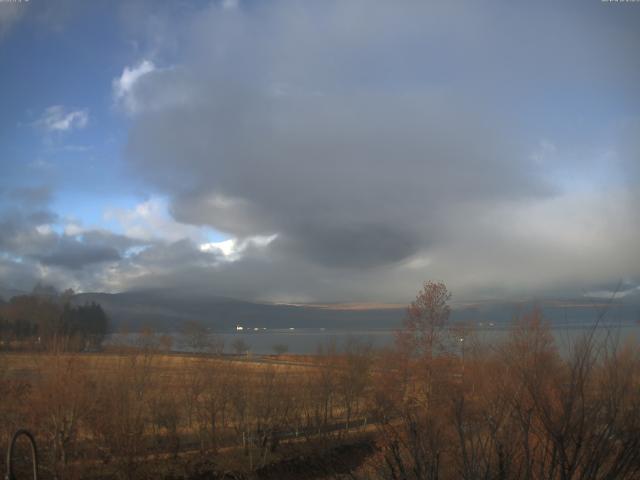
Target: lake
[(306, 341)]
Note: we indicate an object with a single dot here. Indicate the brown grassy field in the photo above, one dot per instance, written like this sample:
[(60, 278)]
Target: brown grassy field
[(121, 411)]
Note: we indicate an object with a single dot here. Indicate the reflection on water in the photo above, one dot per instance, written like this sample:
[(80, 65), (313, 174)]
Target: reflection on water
[(306, 341)]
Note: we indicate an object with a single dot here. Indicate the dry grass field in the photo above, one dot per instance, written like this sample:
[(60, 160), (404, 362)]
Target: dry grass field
[(129, 411)]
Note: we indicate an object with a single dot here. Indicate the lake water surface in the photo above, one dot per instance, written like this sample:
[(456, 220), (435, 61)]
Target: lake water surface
[(307, 341)]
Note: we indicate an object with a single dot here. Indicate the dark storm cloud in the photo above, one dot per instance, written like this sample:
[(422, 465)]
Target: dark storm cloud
[(40, 217), (18, 230), (385, 145), (350, 245), (28, 236), (105, 238), (72, 254), (176, 255), (378, 144), (317, 169), (183, 266), (33, 248)]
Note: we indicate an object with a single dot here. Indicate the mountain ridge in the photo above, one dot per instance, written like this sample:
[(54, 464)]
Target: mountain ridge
[(169, 309)]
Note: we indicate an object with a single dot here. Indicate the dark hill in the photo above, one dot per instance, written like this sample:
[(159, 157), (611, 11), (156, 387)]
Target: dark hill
[(166, 311)]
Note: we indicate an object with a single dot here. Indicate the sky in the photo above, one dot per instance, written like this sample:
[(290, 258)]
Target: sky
[(335, 151)]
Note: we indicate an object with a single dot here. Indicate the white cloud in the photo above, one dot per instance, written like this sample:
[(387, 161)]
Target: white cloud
[(151, 221), (57, 119), (72, 229), (233, 248), (227, 247), (44, 229), (124, 86)]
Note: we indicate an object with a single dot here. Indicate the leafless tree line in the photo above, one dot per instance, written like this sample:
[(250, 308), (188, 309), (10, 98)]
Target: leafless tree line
[(517, 410), (117, 413)]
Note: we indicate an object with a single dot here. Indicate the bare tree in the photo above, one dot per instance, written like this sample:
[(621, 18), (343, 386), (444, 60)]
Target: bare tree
[(240, 346), (195, 335), (64, 399), (426, 318), (354, 376)]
